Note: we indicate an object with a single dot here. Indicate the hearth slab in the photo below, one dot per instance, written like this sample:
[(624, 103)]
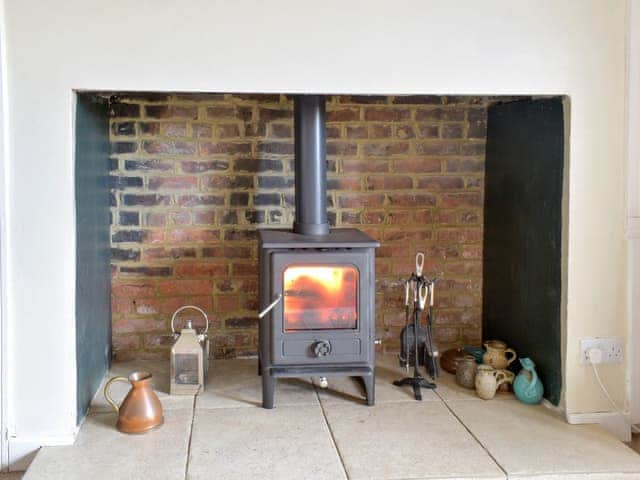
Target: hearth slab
[(407, 440), (235, 383), (283, 443), (530, 441), (160, 371), (101, 452), (350, 390)]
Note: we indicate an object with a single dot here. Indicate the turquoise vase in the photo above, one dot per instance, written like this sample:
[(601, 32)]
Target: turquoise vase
[(527, 386)]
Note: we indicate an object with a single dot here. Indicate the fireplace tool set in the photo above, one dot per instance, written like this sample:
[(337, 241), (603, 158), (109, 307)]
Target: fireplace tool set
[(416, 342)]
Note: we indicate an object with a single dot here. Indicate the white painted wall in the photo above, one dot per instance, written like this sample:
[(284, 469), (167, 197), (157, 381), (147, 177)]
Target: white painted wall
[(573, 47)]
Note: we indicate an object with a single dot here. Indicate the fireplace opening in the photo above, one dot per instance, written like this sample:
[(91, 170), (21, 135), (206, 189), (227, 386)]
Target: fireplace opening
[(181, 183)]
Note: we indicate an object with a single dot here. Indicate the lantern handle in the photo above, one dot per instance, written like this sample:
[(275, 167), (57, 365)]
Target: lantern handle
[(193, 307)]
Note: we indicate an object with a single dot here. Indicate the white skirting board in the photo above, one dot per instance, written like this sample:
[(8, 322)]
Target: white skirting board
[(22, 451), (610, 421)]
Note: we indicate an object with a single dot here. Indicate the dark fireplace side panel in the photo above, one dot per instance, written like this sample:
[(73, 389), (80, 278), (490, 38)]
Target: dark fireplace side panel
[(93, 278), (522, 271)]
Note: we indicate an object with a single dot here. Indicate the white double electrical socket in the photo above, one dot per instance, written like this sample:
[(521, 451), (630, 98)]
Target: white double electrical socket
[(611, 348)]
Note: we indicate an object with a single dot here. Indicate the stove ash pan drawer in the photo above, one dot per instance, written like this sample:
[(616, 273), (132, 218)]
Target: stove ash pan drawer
[(322, 349)]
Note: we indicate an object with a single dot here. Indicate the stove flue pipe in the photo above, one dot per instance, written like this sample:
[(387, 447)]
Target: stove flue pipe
[(310, 165)]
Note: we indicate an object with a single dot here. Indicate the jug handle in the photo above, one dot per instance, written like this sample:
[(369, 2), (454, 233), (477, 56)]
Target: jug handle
[(106, 391), (500, 378), (514, 355)]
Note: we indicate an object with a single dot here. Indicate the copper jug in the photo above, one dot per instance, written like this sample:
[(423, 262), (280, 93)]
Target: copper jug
[(141, 410)]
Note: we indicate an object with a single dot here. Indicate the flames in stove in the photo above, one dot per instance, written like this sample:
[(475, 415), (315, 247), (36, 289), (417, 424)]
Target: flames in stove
[(320, 297)]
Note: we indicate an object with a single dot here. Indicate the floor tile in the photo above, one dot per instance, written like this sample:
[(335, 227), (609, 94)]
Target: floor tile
[(101, 452), (351, 390), (236, 383), (406, 440), (283, 443), (118, 390), (532, 440)]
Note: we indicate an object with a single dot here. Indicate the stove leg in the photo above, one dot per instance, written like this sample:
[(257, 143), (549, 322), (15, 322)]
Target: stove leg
[(268, 389), (370, 389)]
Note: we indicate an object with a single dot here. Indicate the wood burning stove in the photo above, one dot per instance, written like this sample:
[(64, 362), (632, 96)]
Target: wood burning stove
[(317, 286)]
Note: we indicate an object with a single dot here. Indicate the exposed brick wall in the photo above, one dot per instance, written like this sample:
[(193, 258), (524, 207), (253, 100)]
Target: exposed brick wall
[(195, 175)]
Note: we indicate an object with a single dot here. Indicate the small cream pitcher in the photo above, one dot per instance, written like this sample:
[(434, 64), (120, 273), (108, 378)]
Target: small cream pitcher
[(488, 379), (496, 354)]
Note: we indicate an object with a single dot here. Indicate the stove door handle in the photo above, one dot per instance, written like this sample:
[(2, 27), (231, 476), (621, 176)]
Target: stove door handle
[(271, 306)]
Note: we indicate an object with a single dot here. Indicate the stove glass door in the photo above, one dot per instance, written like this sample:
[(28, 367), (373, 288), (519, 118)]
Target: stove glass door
[(320, 297)]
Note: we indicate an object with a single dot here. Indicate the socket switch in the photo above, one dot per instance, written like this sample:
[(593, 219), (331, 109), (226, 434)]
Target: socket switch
[(611, 348)]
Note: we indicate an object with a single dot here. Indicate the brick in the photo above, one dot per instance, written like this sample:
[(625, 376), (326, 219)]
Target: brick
[(124, 182), (125, 342), (255, 216), (461, 235), (225, 148), (195, 235), (271, 114), (464, 165), (390, 114), (341, 148), (155, 219), (365, 99), (228, 130), (380, 131), (202, 131), (417, 100), (200, 269), (241, 322), (280, 148), (275, 182), (146, 200), (147, 271), (361, 200), (208, 166), (230, 217), (239, 199), (204, 218), (412, 199), (357, 131), (470, 217), (440, 115), (227, 182), (170, 111), (452, 200), (228, 112), (386, 182), (129, 110), (136, 236), (334, 132), (197, 200), (172, 183), (133, 290), (266, 199), (437, 148), (453, 130), (343, 183), (169, 147), (240, 235), (365, 166), (279, 130), (256, 165), (472, 148), (417, 165), (343, 115), (184, 287), (386, 149), (125, 254), (405, 132), (227, 251), (124, 128), (137, 325), (428, 131), (149, 128), (123, 147), (148, 165), (181, 217), (404, 234), (373, 217), (128, 218), (173, 253), (441, 183)]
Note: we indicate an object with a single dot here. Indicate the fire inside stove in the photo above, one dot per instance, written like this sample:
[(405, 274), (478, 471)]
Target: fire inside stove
[(320, 297)]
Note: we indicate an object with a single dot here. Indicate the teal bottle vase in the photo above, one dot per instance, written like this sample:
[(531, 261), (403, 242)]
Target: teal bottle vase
[(527, 386)]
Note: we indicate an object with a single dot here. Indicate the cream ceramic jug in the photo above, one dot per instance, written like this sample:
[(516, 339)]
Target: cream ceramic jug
[(496, 354), (488, 379)]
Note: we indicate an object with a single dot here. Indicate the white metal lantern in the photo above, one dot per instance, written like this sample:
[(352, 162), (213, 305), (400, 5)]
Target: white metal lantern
[(189, 356)]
